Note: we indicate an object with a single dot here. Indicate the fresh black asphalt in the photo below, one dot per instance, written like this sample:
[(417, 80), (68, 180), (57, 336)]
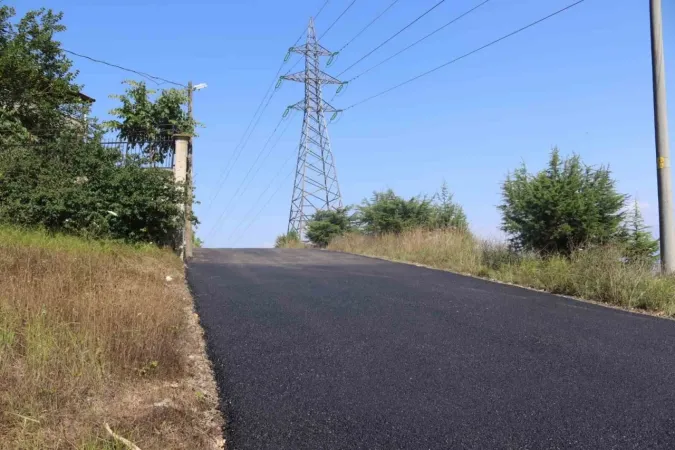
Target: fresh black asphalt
[(320, 350)]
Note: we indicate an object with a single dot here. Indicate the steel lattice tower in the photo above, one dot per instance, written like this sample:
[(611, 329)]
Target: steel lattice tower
[(316, 186)]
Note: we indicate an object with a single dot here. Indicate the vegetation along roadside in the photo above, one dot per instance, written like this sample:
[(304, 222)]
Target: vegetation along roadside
[(569, 232)]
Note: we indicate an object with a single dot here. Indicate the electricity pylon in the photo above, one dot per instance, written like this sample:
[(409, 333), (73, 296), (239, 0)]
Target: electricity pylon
[(316, 185)]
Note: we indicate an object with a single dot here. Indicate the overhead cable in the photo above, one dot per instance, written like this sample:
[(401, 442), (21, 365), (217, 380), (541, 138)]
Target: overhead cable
[(464, 55), (466, 13), (393, 36)]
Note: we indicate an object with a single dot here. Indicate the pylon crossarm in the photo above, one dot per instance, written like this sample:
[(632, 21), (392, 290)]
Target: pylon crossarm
[(297, 76), (327, 79), (308, 49), (327, 107)]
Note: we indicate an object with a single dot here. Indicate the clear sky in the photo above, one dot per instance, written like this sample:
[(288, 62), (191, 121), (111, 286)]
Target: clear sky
[(581, 81)]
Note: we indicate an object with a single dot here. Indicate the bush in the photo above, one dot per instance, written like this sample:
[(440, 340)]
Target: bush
[(325, 225), (288, 240), (561, 208), (84, 189), (386, 212)]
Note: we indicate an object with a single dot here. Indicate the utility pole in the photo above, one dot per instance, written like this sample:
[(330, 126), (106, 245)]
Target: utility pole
[(316, 186), (188, 181), (663, 170)]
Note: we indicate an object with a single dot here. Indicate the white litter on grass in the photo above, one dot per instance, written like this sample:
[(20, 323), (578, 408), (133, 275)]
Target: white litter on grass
[(112, 213), (169, 278)]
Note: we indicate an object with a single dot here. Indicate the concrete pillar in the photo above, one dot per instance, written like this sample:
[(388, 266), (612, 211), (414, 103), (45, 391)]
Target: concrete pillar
[(180, 173), (180, 163)]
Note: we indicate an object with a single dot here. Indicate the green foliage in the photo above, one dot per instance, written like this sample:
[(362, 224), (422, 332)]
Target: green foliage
[(386, 212), (80, 188), (446, 213), (562, 207), (150, 120), (325, 225), (640, 246), (290, 239), (38, 95), (196, 242), (54, 175)]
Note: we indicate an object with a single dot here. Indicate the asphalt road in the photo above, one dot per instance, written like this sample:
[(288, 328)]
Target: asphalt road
[(319, 350)]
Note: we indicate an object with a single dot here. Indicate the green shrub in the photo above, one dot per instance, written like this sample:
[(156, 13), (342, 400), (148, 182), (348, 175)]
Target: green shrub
[(326, 225), (386, 212), (82, 188), (562, 207)]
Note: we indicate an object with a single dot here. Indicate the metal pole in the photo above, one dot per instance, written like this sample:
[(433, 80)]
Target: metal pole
[(663, 173), (188, 208)]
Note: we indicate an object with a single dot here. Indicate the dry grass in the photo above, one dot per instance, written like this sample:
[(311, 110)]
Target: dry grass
[(93, 333), (595, 274), (291, 244)]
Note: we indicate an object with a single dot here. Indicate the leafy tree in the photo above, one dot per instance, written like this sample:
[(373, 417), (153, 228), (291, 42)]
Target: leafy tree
[(38, 94), (562, 207), (290, 239), (149, 119), (446, 213), (325, 225), (640, 245), (197, 242)]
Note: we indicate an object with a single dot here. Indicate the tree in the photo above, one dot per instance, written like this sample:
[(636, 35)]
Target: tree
[(641, 247), (386, 212), (562, 207), (325, 225), (149, 119), (52, 178), (38, 94), (446, 213)]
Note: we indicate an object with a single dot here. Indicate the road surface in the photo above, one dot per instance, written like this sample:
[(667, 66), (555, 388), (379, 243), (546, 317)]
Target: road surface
[(320, 350)]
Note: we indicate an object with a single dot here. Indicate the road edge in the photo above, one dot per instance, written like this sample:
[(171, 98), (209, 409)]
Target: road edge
[(637, 311)]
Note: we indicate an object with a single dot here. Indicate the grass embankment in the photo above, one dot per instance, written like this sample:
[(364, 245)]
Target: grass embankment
[(94, 333), (595, 274)]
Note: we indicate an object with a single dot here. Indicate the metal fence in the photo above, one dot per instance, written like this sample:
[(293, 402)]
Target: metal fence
[(156, 152)]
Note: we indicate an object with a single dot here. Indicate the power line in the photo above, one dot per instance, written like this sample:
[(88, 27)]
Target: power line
[(337, 20), (465, 55), (392, 37), (146, 75), (243, 141), (264, 158), (241, 145), (269, 139), (466, 13), (233, 233), (369, 25), (143, 74), (274, 194)]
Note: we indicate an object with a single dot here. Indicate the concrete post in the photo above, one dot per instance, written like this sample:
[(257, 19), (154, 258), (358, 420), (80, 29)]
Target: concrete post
[(180, 169), (663, 169), (180, 158)]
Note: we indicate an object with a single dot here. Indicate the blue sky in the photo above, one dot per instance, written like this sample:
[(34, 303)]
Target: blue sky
[(581, 81)]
